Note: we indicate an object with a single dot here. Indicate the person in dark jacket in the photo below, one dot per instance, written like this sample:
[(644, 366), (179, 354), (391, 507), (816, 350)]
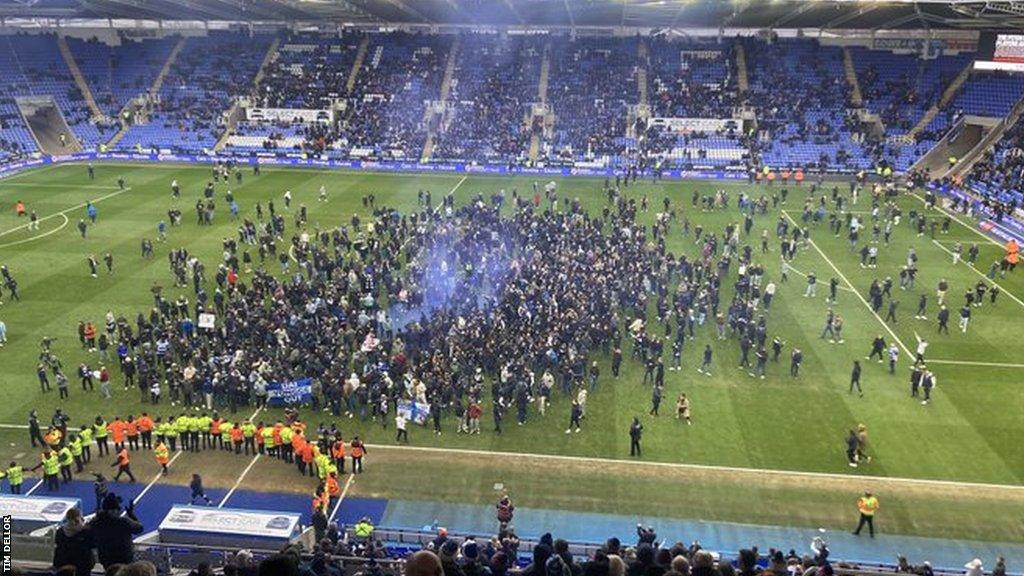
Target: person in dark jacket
[(541, 553), (113, 532), (449, 551), (74, 544)]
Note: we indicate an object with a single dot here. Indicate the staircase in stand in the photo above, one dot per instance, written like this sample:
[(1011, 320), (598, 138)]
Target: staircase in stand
[(437, 116), (856, 96), (357, 64), (46, 123), (542, 97), (234, 114), (641, 74), (742, 80), (158, 82), (154, 90), (76, 73), (944, 100)]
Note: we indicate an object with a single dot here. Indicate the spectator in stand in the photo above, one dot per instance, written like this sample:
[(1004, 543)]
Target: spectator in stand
[(113, 531), (73, 544)]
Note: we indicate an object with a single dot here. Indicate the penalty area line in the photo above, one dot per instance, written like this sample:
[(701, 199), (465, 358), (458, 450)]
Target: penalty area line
[(156, 478), (38, 236), (980, 273), (341, 498), (854, 290)]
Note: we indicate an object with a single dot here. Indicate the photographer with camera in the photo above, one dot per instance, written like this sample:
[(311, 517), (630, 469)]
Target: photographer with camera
[(113, 531)]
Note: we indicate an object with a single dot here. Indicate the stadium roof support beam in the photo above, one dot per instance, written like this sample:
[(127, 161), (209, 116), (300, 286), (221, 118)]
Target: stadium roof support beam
[(906, 19), (402, 6), (804, 7), (850, 16), (568, 11), (512, 8)]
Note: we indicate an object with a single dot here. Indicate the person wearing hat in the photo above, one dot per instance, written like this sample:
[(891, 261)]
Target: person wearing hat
[(867, 505), (113, 531), (447, 553)]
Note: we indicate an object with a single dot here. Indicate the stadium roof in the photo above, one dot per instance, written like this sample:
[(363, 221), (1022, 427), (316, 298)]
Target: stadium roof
[(681, 14)]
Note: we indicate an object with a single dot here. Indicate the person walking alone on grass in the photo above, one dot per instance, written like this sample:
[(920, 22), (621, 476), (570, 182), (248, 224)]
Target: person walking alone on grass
[(636, 431), (196, 485), (400, 425), (867, 505), (855, 379)]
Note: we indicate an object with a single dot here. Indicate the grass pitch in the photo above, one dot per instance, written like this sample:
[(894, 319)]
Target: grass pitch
[(969, 433)]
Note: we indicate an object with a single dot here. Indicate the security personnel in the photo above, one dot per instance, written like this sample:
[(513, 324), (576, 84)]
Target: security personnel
[(237, 437), (85, 436), (75, 445), (195, 427), (162, 455), (268, 441), (171, 433), (225, 434), (286, 443), (867, 505), (51, 468), (333, 488), (358, 451), (261, 440), (184, 424), (146, 426), (364, 529), (338, 453), (213, 426), (124, 465), (101, 433), (15, 476), (249, 435), (66, 460)]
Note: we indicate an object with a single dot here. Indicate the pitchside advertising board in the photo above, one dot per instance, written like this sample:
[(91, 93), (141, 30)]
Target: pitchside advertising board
[(30, 513), (225, 526)]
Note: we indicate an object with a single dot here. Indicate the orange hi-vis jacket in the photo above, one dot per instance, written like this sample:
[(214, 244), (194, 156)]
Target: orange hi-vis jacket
[(338, 449), (867, 505), (145, 424), (333, 489), (215, 426), (236, 435), (117, 430), (277, 434), (131, 429)]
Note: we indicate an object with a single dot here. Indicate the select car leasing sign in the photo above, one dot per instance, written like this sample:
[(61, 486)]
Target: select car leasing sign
[(261, 524)]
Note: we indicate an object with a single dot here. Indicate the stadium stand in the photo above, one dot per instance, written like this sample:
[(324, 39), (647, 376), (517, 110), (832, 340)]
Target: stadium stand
[(118, 73), (402, 72), (1000, 174), (208, 73), (31, 65), (495, 78), (799, 90), (591, 125)]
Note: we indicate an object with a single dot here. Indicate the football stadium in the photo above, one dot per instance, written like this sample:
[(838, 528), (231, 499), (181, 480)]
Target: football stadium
[(511, 287)]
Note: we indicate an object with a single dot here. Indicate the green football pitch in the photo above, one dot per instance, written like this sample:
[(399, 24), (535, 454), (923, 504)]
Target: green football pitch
[(765, 451)]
